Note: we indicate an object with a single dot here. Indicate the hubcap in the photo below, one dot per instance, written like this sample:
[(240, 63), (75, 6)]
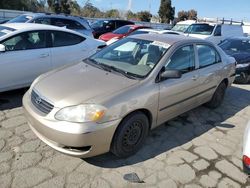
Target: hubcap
[(132, 135)]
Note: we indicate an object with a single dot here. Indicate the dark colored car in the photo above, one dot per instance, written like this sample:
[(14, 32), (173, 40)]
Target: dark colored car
[(75, 23), (121, 32), (105, 26), (3, 21), (239, 48)]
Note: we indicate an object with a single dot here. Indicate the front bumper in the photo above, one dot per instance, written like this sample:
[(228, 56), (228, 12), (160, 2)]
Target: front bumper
[(93, 139)]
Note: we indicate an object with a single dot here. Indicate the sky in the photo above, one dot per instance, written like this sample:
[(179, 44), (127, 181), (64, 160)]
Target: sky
[(238, 10)]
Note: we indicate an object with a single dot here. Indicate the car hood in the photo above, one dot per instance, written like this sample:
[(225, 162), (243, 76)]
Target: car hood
[(80, 83), (109, 36), (197, 36), (241, 57)]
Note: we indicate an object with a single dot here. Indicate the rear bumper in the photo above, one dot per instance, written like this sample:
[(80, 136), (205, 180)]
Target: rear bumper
[(78, 143)]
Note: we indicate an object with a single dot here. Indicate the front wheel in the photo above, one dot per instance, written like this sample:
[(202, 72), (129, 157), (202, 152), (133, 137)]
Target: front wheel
[(243, 79), (218, 96), (130, 135)]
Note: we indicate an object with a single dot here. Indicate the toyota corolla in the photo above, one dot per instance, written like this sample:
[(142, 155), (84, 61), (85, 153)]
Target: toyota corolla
[(110, 101)]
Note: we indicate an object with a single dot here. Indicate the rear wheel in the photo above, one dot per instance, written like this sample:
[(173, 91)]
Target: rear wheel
[(218, 96), (130, 135)]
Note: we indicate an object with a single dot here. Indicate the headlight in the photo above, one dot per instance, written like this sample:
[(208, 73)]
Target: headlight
[(81, 113), (242, 65)]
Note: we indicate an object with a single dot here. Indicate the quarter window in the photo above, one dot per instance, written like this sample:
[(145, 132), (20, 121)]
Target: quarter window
[(207, 55), (26, 41), (65, 39), (183, 59)]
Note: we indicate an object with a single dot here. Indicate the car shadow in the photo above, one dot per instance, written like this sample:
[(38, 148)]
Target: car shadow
[(12, 99), (181, 130)]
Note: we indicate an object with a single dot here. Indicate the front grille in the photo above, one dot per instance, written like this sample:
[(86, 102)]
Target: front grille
[(41, 104)]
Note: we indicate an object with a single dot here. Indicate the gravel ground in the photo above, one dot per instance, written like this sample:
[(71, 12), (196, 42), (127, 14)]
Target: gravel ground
[(202, 148)]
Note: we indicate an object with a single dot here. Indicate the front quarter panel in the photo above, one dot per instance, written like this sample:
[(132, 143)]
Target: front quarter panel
[(143, 96)]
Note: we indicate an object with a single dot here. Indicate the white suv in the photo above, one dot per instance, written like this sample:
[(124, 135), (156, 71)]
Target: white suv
[(214, 32)]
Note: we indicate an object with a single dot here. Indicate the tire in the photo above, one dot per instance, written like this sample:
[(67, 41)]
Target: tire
[(218, 96), (243, 79), (130, 135)]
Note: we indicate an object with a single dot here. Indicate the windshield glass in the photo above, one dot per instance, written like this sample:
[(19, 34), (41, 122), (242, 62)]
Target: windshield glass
[(180, 27), (138, 32), (203, 29), (5, 30), (99, 24), (20, 19), (133, 57), (236, 45), (122, 30)]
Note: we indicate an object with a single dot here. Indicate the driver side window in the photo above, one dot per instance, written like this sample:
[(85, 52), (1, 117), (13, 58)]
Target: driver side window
[(26, 41), (183, 59)]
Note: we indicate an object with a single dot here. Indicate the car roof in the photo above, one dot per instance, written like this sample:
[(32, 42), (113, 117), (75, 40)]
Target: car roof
[(31, 26), (110, 19), (169, 39), (53, 15), (22, 27)]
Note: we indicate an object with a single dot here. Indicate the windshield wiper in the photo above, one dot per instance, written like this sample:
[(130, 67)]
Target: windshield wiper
[(124, 73), (96, 64)]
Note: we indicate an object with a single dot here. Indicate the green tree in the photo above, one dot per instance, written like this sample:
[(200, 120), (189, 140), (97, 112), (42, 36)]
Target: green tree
[(192, 14), (131, 16), (89, 10), (144, 16), (166, 11), (75, 8), (182, 15), (31, 5), (65, 6), (113, 13)]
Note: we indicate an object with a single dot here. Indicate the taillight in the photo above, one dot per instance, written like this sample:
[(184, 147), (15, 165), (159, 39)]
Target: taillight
[(246, 160)]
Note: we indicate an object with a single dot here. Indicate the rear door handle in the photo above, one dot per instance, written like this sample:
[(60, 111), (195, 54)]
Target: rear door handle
[(44, 55)]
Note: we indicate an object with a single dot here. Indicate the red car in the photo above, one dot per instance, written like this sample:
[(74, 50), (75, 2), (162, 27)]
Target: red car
[(121, 32)]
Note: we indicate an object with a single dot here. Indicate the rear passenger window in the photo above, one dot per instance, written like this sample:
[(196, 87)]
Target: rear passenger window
[(46, 21), (183, 59), (65, 39), (207, 55), (70, 24)]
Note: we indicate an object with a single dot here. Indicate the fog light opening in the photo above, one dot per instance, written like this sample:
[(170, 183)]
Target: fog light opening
[(77, 149)]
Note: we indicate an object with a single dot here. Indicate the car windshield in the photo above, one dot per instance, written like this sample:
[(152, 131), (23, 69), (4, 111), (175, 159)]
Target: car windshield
[(202, 29), (180, 27), (134, 58), (5, 30), (236, 45), (139, 32), (122, 30), (99, 24), (20, 19)]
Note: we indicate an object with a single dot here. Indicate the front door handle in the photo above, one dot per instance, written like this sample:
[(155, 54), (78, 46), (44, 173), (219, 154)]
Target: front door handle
[(195, 77), (44, 55)]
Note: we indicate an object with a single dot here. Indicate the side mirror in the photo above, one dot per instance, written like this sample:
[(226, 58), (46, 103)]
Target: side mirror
[(168, 74), (2, 48)]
